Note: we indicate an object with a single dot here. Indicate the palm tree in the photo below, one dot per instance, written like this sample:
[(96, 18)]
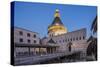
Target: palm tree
[(92, 41), (94, 26)]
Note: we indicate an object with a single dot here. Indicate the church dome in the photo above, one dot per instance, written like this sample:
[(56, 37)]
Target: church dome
[(57, 27)]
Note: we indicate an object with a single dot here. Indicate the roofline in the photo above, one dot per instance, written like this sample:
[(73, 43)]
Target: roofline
[(25, 29), (78, 30)]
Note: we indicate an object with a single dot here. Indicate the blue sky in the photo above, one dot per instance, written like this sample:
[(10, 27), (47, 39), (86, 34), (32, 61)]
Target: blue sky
[(38, 16)]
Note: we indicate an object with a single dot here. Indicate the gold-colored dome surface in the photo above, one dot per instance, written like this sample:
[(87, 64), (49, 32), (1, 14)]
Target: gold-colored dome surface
[(57, 27)]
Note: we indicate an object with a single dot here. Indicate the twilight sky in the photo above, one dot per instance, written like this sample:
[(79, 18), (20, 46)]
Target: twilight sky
[(38, 16)]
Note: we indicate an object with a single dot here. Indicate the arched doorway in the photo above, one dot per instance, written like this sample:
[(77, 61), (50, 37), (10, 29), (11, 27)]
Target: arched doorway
[(70, 46)]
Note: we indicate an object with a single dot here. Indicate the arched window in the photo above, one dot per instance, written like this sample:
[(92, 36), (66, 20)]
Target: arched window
[(71, 39), (20, 33), (28, 40), (83, 37), (28, 34), (76, 38), (34, 36), (20, 40), (80, 38), (34, 41)]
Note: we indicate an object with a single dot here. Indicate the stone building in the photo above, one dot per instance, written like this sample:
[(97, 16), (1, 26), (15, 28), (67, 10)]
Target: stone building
[(24, 37), (27, 42), (76, 38), (58, 39), (67, 41)]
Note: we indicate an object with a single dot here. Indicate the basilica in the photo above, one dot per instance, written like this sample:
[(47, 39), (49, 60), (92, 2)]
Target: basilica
[(67, 41), (59, 40)]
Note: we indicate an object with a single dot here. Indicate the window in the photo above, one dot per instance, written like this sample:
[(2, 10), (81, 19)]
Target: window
[(34, 36), (73, 39), (66, 40), (77, 38), (28, 34), (34, 41), (51, 35), (28, 41), (59, 41), (20, 40), (83, 37), (80, 38), (20, 33)]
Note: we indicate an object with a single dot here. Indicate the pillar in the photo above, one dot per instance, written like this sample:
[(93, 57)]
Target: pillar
[(29, 50), (34, 51), (39, 51)]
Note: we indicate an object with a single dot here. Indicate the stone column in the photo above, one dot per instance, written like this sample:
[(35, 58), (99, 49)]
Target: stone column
[(34, 51), (29, 50), (39, 51), (49, 50)]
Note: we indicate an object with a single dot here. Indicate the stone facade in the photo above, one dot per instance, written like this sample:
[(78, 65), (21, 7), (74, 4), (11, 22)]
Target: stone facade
[(25, 37), (77, 38), (69, 42)]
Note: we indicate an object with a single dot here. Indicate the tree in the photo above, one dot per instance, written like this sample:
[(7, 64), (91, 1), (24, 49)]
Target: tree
[(92, 41), (94, 26)]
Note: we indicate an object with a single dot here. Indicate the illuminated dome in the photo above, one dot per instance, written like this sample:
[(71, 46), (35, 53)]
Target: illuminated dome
[(57, 27)]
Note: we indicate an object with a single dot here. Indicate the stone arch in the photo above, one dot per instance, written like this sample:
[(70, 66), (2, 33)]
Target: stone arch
[(70, 46)]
